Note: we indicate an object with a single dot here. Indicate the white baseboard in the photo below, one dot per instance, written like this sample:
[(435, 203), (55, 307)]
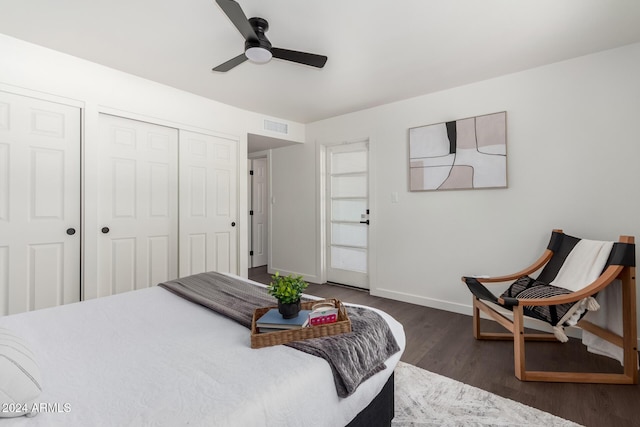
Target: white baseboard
[(424, 301), (461, 309), (466, 309), (311, 278)]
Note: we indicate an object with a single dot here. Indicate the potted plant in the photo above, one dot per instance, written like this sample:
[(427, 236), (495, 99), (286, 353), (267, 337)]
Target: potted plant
[(287, 290)]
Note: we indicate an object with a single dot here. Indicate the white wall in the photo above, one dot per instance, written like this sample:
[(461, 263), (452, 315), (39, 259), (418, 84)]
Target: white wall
[(294, 212), (573, 163), (36, 71)]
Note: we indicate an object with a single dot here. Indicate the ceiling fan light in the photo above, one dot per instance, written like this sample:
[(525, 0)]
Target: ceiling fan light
[(258, 55)]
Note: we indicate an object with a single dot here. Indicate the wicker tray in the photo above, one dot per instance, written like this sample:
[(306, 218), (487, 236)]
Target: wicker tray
[(266, 339)]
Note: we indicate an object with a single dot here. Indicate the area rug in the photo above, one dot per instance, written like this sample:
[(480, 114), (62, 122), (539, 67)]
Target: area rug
[(427, 399)]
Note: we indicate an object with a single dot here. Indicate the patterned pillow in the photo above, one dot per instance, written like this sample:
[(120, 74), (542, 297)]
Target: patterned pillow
[(19, 376), (527, 287)]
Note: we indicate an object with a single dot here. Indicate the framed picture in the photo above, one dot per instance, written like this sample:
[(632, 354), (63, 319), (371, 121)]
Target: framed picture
[(463, 154)]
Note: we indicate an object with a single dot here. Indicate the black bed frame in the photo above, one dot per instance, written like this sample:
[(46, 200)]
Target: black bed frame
[(380, 411)]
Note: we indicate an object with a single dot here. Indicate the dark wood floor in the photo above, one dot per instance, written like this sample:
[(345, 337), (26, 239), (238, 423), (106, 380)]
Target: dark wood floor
[(442, 342)]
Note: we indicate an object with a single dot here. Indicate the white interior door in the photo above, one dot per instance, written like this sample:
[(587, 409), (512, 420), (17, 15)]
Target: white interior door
[(259, 213), (137, 205), (39, 204), (348, 214), (249, 201), (208, 204)]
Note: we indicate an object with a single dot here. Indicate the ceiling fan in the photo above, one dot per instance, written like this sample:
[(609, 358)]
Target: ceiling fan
[(257, 47)]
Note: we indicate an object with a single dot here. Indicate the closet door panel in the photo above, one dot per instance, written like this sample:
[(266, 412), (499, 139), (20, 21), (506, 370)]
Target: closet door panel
[(208, 204), (4, 181), (159, 258), (137, 205), (39, 203), (196, 255), (46, 278)]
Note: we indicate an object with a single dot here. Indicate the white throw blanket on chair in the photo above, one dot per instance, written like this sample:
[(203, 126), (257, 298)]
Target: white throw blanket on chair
[(610, 318), (583, 266)]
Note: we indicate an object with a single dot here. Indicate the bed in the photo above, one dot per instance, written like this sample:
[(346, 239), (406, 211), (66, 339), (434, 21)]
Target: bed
[(150, 357)]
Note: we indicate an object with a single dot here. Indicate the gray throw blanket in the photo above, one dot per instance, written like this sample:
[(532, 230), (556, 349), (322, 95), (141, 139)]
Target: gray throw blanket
[(353, 357)]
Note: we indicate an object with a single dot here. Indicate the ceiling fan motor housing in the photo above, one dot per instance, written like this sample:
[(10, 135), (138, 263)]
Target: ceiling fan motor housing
[(260, 26), (258, 50)]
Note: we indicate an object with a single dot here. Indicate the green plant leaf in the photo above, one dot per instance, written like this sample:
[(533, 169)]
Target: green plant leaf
[(287, 289)]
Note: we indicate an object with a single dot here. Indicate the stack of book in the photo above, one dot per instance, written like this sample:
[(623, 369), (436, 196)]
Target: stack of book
[(272, 321)]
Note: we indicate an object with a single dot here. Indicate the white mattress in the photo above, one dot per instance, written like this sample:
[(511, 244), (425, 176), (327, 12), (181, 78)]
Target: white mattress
[(149, 357)]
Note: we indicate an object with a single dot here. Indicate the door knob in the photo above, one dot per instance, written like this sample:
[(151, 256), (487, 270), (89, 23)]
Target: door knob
[(105, 230), (71, 231), (233, 224)]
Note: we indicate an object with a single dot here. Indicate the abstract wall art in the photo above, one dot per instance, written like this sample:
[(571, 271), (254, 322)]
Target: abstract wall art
[(463, 154)]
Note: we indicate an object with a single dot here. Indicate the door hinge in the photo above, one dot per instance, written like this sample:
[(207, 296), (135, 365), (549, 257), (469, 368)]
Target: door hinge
[(250, 172), (250, 253), (250, 212)]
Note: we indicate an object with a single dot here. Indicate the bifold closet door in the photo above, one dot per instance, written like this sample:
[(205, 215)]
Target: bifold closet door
[(137, 205), (208, 204), (39, 204)]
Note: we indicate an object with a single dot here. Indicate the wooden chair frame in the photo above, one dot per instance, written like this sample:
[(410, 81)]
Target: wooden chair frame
[(628, 341)]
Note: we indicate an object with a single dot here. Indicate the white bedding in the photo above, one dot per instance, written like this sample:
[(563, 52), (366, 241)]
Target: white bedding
[(151, 358)]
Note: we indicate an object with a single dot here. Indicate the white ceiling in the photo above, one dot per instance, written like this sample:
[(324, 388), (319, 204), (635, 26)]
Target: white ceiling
[(379, 51)]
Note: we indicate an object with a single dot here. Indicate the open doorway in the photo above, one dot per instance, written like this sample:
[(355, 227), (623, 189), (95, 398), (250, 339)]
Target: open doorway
[(258, 212), (259, 149)]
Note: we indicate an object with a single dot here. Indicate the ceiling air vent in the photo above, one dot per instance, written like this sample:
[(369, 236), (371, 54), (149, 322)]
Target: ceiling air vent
[(276, 126)]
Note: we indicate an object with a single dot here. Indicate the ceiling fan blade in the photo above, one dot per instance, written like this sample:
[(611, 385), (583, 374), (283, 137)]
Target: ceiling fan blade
[(231, 63), (299, 57), (233, 10)]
